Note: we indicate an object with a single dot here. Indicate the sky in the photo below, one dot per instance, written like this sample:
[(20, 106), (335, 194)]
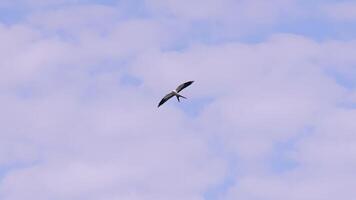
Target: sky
[(271, 114)]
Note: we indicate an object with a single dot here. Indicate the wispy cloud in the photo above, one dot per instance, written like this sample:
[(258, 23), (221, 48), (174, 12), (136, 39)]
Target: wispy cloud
[(80, 81)]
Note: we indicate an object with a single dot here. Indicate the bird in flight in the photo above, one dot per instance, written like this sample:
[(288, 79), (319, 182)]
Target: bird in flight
[(175, 93)]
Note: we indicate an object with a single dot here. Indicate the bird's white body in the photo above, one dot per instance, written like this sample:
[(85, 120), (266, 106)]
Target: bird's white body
[(175, 93)]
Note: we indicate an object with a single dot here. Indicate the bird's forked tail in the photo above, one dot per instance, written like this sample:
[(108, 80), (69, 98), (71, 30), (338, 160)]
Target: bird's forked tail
[(178, 95)]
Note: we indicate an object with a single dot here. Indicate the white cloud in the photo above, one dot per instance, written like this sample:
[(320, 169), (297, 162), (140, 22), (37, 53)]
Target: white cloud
[(325, 169), (265, 94), (73, 131), (225, 19), (83, 140)]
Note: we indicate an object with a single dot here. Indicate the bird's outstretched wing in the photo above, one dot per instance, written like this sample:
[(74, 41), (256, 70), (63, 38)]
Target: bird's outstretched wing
[(184, 85), (165, 98)]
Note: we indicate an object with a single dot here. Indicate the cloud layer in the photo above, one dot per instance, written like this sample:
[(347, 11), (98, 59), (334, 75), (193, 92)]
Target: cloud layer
[(270, 117)]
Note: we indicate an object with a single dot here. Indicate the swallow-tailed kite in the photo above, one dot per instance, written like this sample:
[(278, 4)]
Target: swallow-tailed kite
[(175, 93)]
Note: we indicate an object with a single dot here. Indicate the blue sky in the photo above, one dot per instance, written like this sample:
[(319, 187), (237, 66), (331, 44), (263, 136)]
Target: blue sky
[(269, 116)]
